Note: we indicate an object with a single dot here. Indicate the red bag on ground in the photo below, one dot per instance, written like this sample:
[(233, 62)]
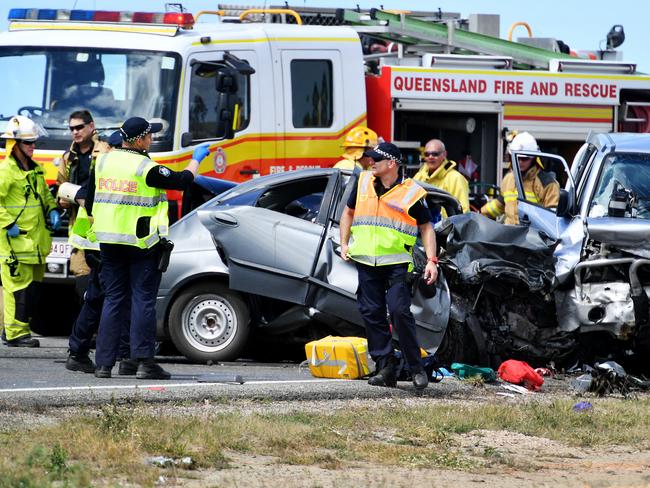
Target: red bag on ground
[(520, 373)]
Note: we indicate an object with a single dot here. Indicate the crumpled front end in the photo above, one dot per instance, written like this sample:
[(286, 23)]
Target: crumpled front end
[(611, 282)]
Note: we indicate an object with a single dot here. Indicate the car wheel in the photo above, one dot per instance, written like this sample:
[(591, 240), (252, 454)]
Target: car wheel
[(208, 322)]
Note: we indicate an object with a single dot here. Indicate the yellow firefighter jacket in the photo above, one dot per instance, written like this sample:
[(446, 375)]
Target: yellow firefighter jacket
[(447, 178), (25, 200), (540, 187)]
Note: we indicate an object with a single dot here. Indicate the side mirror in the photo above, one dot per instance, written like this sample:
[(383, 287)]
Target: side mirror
[(564, 204), (227, 106), (186, 139)]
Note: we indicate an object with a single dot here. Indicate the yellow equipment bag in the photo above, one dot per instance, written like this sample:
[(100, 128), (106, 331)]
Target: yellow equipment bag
[(339, 357)]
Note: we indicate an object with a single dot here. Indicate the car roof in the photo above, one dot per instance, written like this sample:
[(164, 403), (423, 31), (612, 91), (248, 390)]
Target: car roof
[(620, 141)]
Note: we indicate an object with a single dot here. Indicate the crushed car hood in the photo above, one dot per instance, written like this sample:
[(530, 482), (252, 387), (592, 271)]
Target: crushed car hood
[(482, 249), (629, 235)]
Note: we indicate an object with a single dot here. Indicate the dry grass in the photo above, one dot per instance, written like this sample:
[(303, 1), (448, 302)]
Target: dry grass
[(113, 444)]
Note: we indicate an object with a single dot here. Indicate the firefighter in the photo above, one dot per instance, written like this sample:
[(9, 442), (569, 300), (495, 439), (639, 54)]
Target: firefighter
[(27, 216), (75, 168), (439, 171), (128, 202), (383, 214), (358, 140), (540, 186)]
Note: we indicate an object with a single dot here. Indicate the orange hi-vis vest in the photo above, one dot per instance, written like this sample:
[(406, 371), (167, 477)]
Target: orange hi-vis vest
[(383, 232)]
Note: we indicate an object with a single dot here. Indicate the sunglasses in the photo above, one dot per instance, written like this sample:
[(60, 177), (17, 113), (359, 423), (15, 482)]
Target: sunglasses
[(525, 158), (76, 127), (28, 143), (433, 154)]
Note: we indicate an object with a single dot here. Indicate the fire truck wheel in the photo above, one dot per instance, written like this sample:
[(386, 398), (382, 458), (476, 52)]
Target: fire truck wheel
[(208, 322)]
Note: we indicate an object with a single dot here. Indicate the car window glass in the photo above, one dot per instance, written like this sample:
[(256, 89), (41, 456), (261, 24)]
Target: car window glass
[(312, 99), (204, 102), (301, 199), (623, 188), (549, 171)]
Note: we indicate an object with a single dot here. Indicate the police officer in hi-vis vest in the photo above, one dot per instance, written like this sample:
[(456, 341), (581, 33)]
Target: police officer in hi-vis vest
[(128, 203), (384, 214)]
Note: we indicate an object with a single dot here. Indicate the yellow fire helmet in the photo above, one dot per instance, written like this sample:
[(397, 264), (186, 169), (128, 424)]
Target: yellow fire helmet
[(356, 140)]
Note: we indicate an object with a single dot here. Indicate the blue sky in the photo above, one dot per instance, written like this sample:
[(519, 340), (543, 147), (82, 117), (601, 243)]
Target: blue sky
[(582, 24)]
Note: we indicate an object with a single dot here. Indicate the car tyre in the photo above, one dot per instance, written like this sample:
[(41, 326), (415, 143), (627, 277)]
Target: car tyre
[(209, 322)]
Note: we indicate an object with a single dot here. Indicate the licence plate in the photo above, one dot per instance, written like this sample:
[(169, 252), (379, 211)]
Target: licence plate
[(60, 249)]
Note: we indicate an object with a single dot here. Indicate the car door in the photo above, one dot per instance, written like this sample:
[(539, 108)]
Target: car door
[(335, 281), (535, 214), (270, 248), (565, 225)]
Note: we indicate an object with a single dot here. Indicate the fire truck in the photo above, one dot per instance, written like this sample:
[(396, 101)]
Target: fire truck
[(300, 80)]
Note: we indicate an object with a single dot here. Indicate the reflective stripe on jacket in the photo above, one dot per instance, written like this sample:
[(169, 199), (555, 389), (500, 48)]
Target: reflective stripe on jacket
[(82, 234), (122, 198), (545, 193), (447, 178), (25, 199), (383, 232)]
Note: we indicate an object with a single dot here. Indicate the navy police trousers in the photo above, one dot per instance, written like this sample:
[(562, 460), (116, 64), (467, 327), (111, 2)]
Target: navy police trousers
[(381, 287), (87, 321), (130, 279)]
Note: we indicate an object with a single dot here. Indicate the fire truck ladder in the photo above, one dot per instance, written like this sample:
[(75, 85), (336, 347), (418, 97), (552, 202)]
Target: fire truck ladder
[(410, 31)]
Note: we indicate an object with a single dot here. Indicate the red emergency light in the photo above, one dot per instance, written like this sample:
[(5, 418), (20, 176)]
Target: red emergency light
[(181, 19)]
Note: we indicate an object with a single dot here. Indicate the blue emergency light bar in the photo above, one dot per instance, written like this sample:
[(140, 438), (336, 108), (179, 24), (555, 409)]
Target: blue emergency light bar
[(181, 19)]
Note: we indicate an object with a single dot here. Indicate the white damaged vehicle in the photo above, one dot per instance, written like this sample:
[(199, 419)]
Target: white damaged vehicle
[(602, 228)]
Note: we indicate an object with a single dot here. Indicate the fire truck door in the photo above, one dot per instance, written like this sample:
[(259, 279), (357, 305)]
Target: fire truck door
[(313, 107), (237, 159)]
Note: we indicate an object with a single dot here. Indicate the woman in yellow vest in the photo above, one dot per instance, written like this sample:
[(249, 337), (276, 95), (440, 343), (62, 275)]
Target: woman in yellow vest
[(128, 202), (27, 213), (383, 215)]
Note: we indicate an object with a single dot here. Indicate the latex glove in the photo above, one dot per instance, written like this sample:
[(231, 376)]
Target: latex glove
[(13, 231), (55, 219), (200, 152)]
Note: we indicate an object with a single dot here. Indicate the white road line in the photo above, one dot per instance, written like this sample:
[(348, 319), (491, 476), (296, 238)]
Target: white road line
[(161, 385)]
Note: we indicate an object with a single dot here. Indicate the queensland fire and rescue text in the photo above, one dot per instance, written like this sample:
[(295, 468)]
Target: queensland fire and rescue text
[(497, 87)]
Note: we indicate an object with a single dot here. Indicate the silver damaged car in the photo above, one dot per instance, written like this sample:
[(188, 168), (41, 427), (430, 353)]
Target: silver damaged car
[(262, 261)]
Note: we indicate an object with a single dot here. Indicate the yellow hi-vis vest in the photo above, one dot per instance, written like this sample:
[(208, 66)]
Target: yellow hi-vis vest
[(82, 234), (383, 232), (122, 197)]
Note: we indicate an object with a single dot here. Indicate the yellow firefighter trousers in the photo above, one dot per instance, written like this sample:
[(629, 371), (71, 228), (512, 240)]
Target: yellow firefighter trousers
[(18, 301)]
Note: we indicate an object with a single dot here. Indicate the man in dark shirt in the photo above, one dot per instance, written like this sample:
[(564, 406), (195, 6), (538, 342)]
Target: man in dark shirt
[(383, 214), (130, 252)]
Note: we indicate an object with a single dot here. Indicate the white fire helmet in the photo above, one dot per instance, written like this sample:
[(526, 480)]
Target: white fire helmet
[(22, 128), (523, 142)]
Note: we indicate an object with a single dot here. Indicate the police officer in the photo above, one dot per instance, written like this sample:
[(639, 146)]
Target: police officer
[(85, 262), (383, 214), (540, 186), (129, 206), (357, 140), (27, 214), (439, 171)]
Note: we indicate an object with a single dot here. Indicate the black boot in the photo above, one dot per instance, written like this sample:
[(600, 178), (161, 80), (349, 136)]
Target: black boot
[(148, 369), (103, 371), (24, 341), (386, 376), (4, 337), (420, 380), (128, 367), (80, 362)]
